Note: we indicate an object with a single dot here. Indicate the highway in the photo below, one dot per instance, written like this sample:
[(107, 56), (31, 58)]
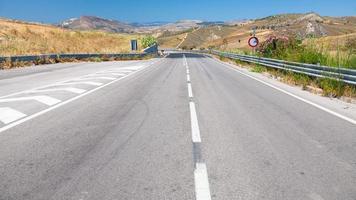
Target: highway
[(186, 126)]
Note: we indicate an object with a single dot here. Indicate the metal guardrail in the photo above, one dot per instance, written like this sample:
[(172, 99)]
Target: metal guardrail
[(66, 56), (33, 58), (342, 74)]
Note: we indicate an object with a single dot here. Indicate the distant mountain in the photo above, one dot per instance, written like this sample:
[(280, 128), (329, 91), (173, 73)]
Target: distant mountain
[(304, 25), (97, 23), (101, 24), (234, 34), (149, 24)]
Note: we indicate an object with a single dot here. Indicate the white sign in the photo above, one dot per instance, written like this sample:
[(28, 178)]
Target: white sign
[(253, 42)]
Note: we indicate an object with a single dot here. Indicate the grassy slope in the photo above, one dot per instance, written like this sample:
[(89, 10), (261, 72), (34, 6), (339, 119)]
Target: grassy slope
[(170, 41), (215, 35), (17, 38)]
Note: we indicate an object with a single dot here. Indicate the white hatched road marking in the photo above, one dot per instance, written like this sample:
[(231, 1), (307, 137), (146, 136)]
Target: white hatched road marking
[(69, 89), (50, 101), (201, 181), (80, 83), (8, 115)]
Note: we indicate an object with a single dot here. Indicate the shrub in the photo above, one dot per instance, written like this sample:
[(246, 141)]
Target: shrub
[(292, 49), (148, 41), (258, 69), (331, 87)]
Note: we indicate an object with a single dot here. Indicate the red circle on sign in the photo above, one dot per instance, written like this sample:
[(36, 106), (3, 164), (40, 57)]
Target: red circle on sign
[(253, 42)]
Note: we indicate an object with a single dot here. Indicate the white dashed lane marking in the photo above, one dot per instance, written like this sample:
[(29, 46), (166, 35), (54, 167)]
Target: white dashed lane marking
[(190, 91), (8, 115), (194, 123), (201, 181)]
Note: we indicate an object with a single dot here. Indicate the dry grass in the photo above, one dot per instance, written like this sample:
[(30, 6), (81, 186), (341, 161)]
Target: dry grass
[(330, 43), (171, 41), (18, 38)]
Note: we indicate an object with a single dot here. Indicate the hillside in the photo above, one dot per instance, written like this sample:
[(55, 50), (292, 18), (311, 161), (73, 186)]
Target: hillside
[(20, 38), (234, 35), (90, 23)]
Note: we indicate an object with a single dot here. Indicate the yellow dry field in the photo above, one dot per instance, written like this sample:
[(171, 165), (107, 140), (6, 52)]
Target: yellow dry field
[(171, 41), (330, 43), (18, 38)]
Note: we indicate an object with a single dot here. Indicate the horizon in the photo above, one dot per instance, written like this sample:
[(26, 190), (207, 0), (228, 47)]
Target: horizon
[(166, 21), (53, 13)]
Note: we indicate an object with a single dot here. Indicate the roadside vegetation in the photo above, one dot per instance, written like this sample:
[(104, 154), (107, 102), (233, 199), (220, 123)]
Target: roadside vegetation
[(19, 38), (313, 51), (323, 86), (148, 41), (293, 49)]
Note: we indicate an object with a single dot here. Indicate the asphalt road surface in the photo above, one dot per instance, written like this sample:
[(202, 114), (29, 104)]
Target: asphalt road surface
[(180, 127)]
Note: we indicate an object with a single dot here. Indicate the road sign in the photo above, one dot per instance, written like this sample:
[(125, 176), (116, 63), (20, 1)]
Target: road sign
[(253, 42), (134, 45)]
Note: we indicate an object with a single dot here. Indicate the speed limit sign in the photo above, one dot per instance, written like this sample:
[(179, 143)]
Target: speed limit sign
[(253, 42)]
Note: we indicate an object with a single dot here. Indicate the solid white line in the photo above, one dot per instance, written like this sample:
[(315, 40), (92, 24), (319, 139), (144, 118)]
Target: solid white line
[(194, 123), (50, 101), (187, 71), (8, 115), (190, 91), (188, 78), (202, 188), (11, 125), (70, 89), (96, 77), (352, 121), (79, 83)]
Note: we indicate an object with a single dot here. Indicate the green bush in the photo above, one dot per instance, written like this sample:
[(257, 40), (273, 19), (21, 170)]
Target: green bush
[(148, 41), (258, 69), (332, 87)]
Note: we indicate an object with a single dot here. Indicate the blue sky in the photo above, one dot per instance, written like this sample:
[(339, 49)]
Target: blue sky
[(52, 11)]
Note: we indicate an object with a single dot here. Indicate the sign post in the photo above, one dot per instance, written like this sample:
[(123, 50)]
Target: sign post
[(134, 45), (253, 41)]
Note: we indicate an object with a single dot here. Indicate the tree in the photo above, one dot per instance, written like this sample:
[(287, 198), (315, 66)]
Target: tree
[(148, 41)]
